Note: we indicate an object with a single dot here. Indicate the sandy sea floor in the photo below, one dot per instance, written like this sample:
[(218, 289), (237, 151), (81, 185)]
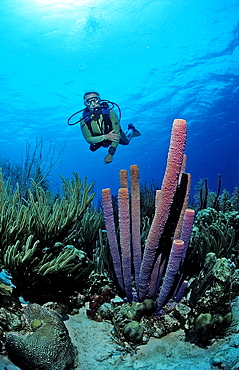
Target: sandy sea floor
[(97, 349)]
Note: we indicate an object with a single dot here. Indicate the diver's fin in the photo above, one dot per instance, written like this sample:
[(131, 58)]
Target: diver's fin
[(135, 132)]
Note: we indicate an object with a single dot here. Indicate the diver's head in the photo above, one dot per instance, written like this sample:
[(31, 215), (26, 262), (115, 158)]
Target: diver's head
[(92, 100)]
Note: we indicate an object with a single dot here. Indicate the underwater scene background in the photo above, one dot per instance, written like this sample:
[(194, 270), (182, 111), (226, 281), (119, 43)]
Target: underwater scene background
[(158, 60), (159, 264)]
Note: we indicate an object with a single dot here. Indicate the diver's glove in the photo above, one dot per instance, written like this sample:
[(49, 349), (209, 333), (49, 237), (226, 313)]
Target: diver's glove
[(108, 158)]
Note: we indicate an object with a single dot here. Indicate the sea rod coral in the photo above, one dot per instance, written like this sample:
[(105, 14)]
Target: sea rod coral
[(161, 257), (35, 235)]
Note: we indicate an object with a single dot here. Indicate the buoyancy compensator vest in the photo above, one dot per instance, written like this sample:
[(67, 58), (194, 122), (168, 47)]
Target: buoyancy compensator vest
[(95, 116), (88, 116), (104, 109)]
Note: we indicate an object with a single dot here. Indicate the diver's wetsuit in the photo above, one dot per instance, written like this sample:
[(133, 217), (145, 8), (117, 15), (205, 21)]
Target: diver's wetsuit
[(98, 131)]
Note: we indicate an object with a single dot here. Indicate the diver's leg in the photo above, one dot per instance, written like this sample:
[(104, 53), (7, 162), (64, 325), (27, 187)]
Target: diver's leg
[(135, 132), (126, 137)]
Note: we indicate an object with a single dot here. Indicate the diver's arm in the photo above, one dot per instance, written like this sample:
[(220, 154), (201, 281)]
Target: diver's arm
[(115, 127), (114, 144)]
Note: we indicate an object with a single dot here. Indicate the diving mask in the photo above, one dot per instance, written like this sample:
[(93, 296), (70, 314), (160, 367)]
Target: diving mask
[(92, 102)]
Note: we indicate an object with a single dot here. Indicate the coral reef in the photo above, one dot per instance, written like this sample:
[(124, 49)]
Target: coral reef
[(204, 198), (89, 230), (135, 322), (34, 235), (210, 297), (39, 163), (46, 243), (48, 222), (96, 301), (133, 331), (126, 318), (159, 271), (147, 199), (168, 190), (213, 231), (48, 345), (169, 203)]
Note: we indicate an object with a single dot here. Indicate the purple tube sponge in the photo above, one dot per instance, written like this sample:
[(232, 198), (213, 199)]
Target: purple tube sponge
[(125, 242), (135, 221), (111, 234), (181, 291), (169, 186), (175, 258)]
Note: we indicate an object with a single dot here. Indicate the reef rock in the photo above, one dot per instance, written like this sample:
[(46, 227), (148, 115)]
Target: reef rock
[(211, 290), (211, 295), (47, 347)]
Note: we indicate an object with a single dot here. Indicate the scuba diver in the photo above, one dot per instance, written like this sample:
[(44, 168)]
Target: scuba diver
[(100, 125)]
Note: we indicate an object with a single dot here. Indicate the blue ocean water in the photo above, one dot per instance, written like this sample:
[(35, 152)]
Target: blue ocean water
[(158, 60)]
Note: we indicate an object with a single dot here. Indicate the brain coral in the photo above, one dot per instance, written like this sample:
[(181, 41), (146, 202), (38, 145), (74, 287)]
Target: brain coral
[(49, 347)]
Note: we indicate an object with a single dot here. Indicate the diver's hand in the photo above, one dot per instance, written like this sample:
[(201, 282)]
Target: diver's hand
[(112, 136), (108, 158)]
